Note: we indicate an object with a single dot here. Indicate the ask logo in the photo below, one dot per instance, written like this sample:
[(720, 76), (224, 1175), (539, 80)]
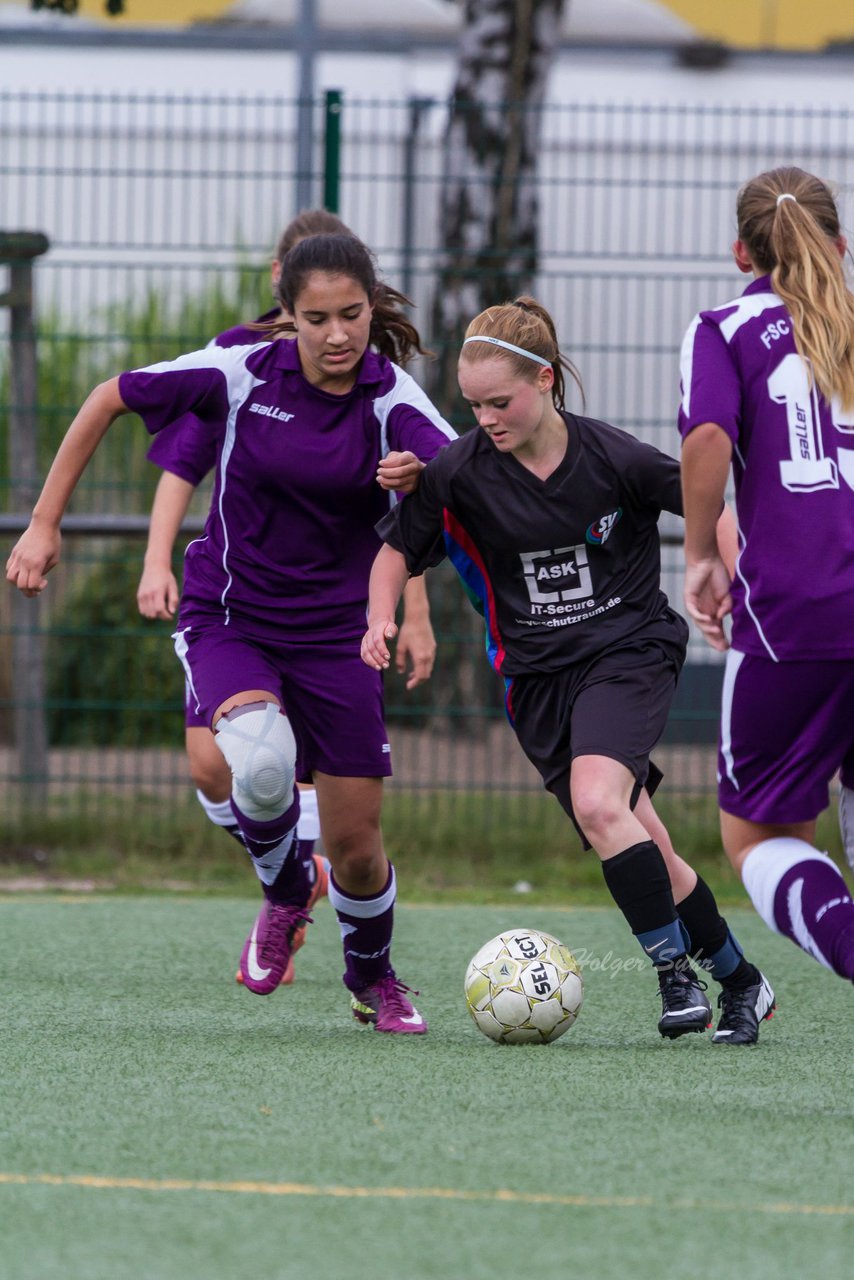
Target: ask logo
[(559, 575)]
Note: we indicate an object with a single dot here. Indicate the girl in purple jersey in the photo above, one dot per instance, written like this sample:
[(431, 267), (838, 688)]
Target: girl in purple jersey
[(551, 520), (275, 592), (187, 451), (768, 388)]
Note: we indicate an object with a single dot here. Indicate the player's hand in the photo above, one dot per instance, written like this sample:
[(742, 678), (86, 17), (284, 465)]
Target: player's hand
[(375, 650), (157, 594), (708, 599), (34, 555), (400, 472), (416, 651)]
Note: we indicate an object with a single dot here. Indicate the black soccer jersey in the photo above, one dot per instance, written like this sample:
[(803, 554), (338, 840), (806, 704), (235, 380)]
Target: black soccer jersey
[(562, 568)]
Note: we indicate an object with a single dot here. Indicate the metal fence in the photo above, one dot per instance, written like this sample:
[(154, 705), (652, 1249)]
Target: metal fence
[(161, 213)]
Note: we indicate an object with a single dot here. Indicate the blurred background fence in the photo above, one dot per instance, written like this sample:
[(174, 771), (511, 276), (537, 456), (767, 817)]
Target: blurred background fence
[(161, 213)]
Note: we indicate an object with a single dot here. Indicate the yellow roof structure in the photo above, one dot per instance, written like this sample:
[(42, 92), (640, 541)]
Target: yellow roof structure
[(769, 24), (792, 25)]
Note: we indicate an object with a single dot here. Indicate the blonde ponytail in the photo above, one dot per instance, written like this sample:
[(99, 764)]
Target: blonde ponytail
[(789, 223)]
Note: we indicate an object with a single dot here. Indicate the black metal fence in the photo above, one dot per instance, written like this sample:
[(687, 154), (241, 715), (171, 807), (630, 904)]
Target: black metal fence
[(162, 212)]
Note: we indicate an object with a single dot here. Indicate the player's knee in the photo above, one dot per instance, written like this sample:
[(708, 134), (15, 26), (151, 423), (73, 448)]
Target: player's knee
[(211, 776), (260, 748), (597, 809), (356, 856)]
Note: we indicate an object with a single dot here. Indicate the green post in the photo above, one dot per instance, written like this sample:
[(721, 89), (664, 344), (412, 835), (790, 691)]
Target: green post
[(332, 150)]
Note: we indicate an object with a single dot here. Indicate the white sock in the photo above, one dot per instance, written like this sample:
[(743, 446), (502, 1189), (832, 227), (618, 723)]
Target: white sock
[(220, 812), (764, 868), (308, 825)]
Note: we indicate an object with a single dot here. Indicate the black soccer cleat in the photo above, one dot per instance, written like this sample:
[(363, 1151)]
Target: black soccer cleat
[(742, 1011), (683, 1002)]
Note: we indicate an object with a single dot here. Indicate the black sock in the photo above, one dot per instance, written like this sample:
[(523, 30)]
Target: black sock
[(639, 884), (744, 975), (706, 927), (711, 942)]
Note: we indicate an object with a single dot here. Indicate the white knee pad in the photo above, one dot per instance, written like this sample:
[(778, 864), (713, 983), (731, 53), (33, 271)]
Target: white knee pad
[(261, 751), (846, 823)]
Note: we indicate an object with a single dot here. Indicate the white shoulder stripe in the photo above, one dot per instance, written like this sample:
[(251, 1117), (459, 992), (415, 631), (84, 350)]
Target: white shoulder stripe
[(686, 363), (407, 391), (230, 360), (742, 309), (240, 383), (746, 308)]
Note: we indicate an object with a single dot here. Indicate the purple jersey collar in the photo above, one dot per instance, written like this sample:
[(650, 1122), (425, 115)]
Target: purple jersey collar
[(762, 284)]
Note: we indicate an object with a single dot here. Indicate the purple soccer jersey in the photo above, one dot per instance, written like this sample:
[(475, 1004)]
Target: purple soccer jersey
[(793, 464), (290, 540), (188, 447)]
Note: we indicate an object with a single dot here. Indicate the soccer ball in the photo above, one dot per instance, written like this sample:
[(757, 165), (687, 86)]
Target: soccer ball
[(524, 987)]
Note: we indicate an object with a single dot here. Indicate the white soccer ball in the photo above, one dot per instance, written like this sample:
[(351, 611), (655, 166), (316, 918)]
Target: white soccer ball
[(524, 987)]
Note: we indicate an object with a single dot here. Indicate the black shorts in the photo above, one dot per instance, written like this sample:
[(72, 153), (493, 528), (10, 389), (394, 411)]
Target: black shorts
[(614, 705)]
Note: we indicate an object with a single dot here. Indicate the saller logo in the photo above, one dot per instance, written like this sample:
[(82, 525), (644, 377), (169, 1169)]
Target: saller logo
[(269, 411), (598, 531)]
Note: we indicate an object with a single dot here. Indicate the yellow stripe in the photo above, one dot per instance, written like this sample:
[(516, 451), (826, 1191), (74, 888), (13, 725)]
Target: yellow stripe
[(159, 13), (498, 1196), (768, 24)]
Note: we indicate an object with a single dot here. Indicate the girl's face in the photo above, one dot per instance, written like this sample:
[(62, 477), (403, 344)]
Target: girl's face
[(510, 409), (332, 317)]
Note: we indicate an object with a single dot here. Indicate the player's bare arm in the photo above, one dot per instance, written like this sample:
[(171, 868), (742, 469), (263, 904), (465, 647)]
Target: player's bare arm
[(157, 593), (706, 457), (37, 550), (388, 579), (415, 652)]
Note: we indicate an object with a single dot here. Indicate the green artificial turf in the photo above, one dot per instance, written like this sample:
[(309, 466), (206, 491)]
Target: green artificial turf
[(158, 1122)]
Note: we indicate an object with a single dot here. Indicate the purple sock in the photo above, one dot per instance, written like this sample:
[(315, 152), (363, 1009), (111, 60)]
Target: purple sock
[(305, 850), (813, 907), (366, 927), (274, 850)]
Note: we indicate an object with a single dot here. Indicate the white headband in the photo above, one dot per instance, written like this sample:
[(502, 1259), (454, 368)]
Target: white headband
[(509, 346), (786, 195)]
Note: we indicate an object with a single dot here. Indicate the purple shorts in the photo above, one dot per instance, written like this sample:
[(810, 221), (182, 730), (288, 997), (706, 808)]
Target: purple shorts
[(786, 729), (194, 717), (333, 701)]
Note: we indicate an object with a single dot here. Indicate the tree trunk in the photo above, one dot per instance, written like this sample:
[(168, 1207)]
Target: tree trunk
[(489, 208)]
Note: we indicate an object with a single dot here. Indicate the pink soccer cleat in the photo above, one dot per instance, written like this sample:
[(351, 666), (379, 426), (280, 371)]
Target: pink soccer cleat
[(385, 1006), (319, 889)]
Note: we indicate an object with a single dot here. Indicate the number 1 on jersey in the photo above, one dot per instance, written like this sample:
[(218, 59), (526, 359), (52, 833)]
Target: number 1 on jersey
[(807, 469)]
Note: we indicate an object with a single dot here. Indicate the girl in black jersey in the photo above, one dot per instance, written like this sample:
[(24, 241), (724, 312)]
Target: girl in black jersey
[(551, 519)]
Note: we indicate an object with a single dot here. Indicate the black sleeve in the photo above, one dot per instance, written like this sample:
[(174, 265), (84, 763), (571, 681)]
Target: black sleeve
[(653, 478), (415, 525)]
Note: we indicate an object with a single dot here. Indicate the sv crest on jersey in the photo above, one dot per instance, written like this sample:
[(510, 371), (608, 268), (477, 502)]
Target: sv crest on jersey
[(599, 530), (558, 575)]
